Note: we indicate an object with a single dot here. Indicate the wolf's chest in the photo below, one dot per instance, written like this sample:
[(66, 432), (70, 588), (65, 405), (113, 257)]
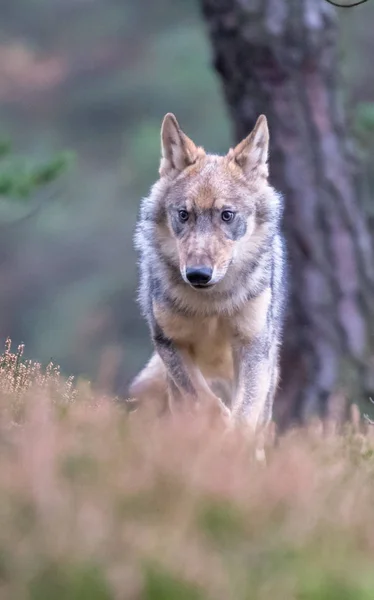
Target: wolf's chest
[(208, 341), (211, 348)]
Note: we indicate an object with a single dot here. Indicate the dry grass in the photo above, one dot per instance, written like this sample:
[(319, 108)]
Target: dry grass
[(97, 505)]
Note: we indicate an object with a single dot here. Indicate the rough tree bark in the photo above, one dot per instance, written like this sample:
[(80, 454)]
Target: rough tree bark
[(279, 57)]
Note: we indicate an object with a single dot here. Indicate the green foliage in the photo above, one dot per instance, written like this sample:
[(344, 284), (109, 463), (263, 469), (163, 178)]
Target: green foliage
[(5, 148), (79, 468), (162, 585), (365, 116), (326, 586), (19, 180), (69, 582), (221, 521)]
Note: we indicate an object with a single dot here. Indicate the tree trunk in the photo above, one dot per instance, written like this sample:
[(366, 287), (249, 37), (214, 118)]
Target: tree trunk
[(278, 57)]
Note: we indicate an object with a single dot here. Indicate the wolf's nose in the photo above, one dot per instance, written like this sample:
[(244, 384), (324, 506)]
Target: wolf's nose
[(199, 275)]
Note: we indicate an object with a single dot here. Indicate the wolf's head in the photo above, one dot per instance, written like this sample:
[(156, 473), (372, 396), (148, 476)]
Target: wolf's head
[(213, 210)]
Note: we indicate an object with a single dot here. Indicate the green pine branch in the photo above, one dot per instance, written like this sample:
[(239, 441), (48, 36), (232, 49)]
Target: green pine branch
[(19, 180)]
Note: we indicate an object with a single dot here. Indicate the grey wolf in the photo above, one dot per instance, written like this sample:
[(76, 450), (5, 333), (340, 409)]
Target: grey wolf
[(212, 278)]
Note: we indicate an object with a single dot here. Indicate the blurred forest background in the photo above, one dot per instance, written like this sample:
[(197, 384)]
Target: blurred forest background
[(95, 77)]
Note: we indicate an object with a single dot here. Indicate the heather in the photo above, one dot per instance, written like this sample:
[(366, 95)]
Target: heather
[(98, 502)]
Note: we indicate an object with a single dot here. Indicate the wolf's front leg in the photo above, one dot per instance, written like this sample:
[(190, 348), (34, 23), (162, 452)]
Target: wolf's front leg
[(186, 383), (256, 378), (255, 374)]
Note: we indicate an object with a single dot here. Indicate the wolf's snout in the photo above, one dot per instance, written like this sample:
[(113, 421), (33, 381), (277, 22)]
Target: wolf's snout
[(199, 275)]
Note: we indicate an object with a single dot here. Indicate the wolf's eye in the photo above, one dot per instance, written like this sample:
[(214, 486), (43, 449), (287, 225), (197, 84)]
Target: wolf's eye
[(183, 215), (227, 216)]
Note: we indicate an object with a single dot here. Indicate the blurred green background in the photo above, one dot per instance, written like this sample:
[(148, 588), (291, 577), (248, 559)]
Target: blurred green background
[(95, 77)]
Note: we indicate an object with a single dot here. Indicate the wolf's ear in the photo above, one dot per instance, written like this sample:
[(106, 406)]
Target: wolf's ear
[(178, 151), (252, 153)]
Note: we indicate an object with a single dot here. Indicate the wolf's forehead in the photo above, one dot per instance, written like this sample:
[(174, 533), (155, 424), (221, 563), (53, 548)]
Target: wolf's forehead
[(214, 184)]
